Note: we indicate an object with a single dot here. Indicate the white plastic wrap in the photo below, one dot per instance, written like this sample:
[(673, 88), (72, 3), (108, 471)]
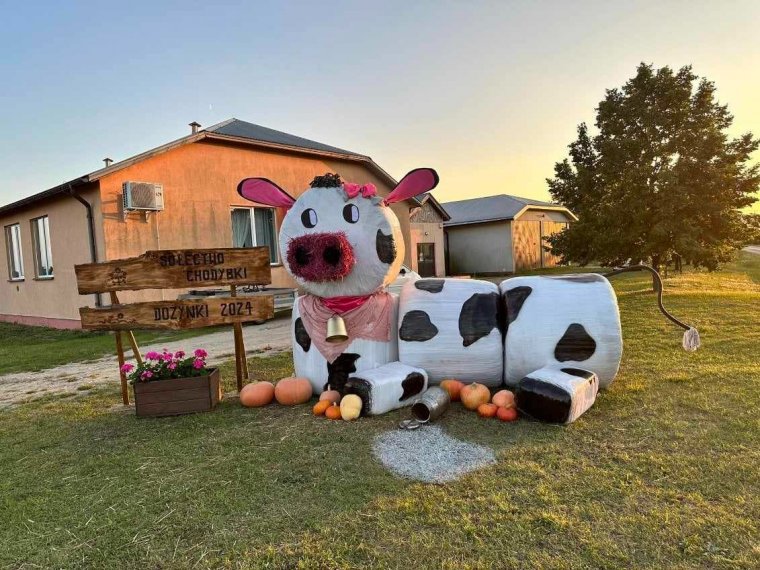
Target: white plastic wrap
[(564, 321), (451, 328), (557, 394), (360, 355), (388, 387)]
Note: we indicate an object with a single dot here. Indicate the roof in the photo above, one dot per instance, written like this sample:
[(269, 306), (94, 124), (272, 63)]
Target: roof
[(495, 208), (243, 129), (231, 131), (427, 196)]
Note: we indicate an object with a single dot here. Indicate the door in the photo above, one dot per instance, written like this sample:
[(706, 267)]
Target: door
[(426, 259)]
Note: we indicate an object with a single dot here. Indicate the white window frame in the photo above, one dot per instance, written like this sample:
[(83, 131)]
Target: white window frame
[(10, 253), (252, 221), (37, 245)]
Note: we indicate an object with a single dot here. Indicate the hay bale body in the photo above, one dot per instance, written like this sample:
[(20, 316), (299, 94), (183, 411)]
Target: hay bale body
[(565, 321), (452, 329)]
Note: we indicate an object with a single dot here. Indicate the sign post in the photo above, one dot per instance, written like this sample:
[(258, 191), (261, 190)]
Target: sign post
[(178, 269)]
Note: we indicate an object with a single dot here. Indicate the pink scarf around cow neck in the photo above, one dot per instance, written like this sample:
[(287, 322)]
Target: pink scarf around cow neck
[(369, 320)]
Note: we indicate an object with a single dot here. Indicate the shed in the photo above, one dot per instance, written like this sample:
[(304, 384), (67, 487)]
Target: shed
[(501, 234)]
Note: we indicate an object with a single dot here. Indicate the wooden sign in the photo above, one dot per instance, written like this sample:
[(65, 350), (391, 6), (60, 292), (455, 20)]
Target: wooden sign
[(185, 314), (178, 269)]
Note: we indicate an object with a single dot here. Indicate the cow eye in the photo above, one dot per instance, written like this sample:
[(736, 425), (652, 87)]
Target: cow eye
[(351, 213), (309, 218)]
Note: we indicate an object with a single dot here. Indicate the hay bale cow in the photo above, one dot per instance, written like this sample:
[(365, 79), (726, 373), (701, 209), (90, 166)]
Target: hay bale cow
[(343, 245)]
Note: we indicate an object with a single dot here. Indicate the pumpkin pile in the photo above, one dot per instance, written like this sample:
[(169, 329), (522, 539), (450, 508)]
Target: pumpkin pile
[(477, 397), (333, 407)]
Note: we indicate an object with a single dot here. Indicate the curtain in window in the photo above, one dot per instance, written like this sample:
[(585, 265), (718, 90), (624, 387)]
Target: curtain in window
[(265, 234), (43, 255), (241, 228), (13, 244)]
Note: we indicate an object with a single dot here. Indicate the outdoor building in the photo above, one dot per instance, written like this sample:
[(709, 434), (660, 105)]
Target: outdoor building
[(84, 220), (427, 246), (501, 234)]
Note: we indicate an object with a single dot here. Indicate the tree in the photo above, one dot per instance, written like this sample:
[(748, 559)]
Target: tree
[(661, 178)]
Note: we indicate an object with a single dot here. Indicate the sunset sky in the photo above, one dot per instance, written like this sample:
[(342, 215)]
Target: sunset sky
[(488, 93)]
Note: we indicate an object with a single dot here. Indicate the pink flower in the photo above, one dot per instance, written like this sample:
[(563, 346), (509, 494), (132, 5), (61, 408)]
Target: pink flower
[(127, 368), (147, 374), (198, 364), (172, 366), (200, 353), (152, 355), (167, 356), (179, 354)]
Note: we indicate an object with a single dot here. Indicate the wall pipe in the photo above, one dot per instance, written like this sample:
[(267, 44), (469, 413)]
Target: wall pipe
[(91, 231)]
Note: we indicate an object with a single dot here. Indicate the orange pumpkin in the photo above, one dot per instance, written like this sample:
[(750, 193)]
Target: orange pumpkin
[(487, 410), (507, 414), (333, 412), (293, 391), (454, 388), (331, 396), (475, 394), (257, 394), (504, 399), (320, 407)]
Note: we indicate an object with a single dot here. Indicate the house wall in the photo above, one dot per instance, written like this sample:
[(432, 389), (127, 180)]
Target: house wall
[(544, 215), (426, 226), (200, 182), (52, 302), (480, 248)]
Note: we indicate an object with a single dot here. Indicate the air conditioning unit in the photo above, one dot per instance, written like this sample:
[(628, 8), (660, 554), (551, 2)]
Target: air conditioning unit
[(145, 196)]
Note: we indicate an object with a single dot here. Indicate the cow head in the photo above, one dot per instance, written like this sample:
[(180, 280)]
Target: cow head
[(340, 239)]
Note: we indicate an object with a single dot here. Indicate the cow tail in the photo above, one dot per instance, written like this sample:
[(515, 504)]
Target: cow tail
[(691, 341)]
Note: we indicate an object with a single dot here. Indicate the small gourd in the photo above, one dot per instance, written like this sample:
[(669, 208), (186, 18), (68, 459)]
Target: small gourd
[(350, 407)]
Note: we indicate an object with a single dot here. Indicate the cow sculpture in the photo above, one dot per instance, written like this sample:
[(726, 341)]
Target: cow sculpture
[(555, 340)]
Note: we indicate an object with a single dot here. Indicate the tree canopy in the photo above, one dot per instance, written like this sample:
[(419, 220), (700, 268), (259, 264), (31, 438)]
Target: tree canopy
[(660, 177)]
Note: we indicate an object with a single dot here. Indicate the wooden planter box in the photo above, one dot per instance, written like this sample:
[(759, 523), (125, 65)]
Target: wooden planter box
[(178, 395)]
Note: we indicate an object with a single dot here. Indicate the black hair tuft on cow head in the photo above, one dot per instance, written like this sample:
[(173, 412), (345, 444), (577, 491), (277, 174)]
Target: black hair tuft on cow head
[(328, 180)]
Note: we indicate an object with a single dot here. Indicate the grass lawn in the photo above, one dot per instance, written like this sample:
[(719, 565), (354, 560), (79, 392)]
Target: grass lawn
[(661, 473), (24, 348)]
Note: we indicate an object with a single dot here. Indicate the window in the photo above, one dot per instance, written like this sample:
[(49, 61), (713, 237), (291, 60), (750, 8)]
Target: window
[(43, 256), (255, 226), (13, 249)]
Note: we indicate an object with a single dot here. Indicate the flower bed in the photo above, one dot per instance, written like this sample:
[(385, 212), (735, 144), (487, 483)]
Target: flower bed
[(168, 384)]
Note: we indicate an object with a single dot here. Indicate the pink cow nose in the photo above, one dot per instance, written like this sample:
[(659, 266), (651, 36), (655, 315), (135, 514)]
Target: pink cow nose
[(321, 257)]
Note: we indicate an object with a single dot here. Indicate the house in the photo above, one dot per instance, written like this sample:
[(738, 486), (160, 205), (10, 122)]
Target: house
[(427, 249), (84, 220), (501, 234)]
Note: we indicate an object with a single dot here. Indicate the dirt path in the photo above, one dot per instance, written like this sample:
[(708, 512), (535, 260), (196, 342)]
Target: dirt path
[(273, 337), (753, 249)]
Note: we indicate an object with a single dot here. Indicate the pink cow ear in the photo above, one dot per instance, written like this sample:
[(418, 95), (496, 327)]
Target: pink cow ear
[(418, 181), (264, 191)]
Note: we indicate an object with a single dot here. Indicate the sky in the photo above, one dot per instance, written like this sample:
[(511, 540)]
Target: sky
[(487, 93)]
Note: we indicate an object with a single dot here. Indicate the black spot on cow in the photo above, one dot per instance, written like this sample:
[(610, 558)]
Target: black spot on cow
[(576, 344), (386, 247), (478, 317), (430, 285), (585, 374), (412, 385), (339, 369), (577, 277), (515, 299), (543, 400), (302, 337), (416, 326), (361, 388)]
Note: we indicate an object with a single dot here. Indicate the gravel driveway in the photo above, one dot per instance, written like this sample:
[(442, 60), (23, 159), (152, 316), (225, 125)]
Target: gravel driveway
[(18, 387)]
